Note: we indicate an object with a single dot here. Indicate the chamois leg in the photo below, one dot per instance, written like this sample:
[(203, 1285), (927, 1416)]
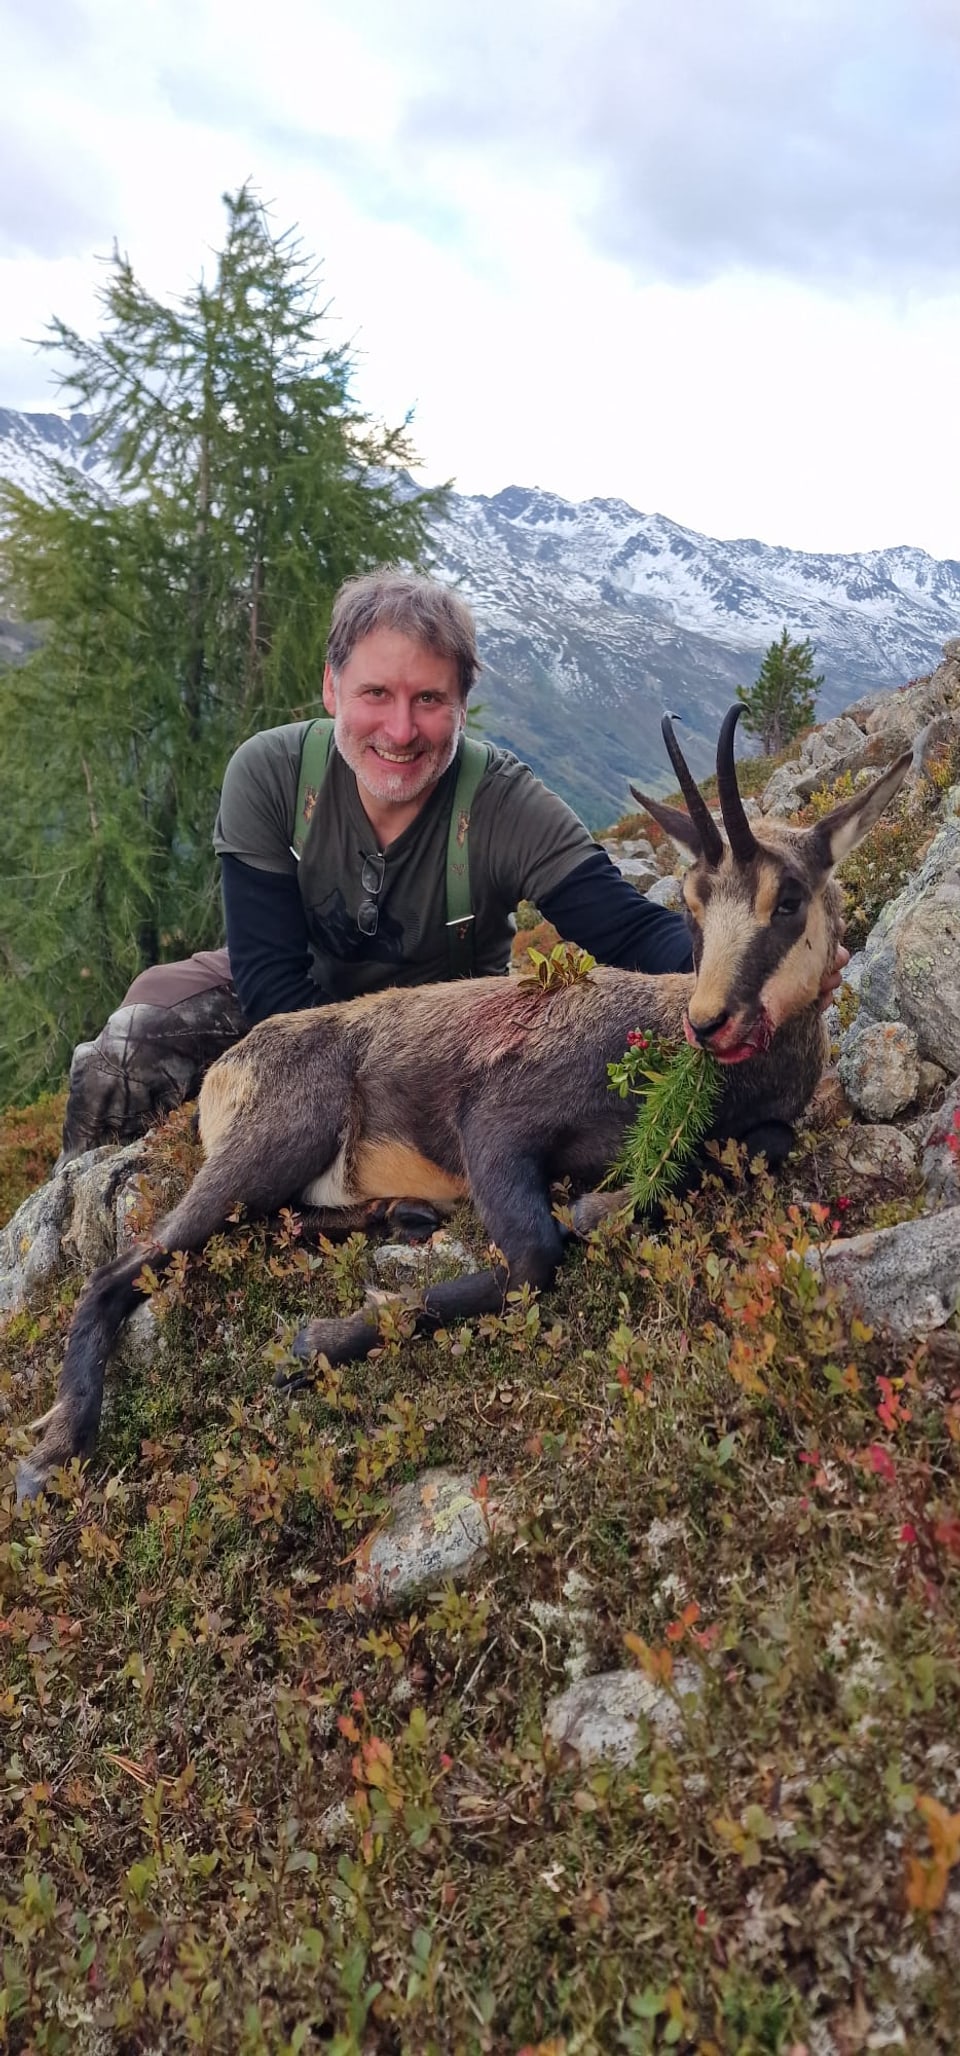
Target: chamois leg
[(512, 1199), (241, 1171)]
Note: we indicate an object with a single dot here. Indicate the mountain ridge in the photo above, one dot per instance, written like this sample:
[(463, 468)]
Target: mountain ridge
[(595, 618)]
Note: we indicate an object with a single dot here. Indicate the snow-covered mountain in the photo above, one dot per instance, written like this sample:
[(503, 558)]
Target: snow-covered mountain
[(31, 444), (594, 618)]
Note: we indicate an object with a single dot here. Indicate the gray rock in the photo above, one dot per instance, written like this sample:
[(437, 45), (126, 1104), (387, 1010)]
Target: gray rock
[(142, 1340), (862, 709), (599, 1718), (90, 1235), (781, 795), (667, 892), (629, 846), (932, 1077), (871, 1154), (912, 957), (641, 871), (905, 1279), (933, 739), (879, 1067), (940, 1163), (829, 751), (440, 1257), (70, 1219), (439, 1527)]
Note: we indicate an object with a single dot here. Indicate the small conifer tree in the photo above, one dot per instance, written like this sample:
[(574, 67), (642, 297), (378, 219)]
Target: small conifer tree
[(784, 697)]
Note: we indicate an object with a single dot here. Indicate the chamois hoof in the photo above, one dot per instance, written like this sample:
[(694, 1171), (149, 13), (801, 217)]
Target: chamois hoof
[(339, 1341), (30, 1482), (591, 1208), (412, 1220)]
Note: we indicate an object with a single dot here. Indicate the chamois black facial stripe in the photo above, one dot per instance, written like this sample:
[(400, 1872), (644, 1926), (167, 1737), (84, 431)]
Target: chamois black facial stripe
[(769, 946)]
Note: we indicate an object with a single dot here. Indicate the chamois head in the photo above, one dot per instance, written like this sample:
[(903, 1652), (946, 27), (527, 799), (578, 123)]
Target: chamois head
[(763, 909)]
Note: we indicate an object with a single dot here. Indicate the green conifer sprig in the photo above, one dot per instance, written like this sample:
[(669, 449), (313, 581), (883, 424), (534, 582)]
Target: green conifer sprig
[(680, 1087)]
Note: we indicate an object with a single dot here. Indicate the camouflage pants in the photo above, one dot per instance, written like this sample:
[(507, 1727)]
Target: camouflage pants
[(154, 1050)]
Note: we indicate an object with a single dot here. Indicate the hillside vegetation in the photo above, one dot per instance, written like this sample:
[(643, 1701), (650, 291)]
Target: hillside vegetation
[(243, 1811)]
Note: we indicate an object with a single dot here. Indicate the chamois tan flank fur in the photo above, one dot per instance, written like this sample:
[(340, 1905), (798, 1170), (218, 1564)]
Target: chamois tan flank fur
[(227, 1096), (391, 1170)]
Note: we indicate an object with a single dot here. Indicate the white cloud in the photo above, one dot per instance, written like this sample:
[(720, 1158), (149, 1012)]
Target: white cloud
[(705, 259)]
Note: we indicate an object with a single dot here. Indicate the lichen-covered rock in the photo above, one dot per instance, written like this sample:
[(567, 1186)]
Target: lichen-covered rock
[(879, 1067), (439, 1527), (941, 1153), (911, 968), (599, 1718), (72, 1218), (90, 1235), (906, 1278)]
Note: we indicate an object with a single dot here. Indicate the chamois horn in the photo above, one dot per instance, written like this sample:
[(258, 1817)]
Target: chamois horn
[(700, 815), (741, 837)]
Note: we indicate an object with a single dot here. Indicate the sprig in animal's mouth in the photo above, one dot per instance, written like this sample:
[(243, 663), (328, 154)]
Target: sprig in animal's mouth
[(739, 1048)]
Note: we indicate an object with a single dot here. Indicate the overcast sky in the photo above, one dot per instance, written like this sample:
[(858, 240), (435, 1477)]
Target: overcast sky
[(703, 255)]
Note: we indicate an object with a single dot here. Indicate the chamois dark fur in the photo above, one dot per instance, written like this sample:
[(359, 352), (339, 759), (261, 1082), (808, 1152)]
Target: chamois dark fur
[(494, 1089)]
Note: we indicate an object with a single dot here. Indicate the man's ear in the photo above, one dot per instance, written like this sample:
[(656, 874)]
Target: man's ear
[(463, 714), (329, 690)]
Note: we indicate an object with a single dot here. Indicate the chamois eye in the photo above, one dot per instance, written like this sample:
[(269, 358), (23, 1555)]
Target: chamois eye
[(788, 904)]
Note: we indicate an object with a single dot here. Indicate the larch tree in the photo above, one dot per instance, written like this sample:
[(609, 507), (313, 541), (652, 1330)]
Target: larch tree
[(179, 613), (785, 694)]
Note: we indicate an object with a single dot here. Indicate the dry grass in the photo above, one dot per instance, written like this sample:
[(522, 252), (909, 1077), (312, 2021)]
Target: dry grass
[(29, 1147)]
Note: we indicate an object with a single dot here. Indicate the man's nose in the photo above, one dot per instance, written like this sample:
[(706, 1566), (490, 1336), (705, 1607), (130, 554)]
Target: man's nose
[(401, 723)]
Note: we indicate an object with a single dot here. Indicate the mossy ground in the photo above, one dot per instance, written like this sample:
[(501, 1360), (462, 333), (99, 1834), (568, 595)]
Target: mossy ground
[(239, 1816)]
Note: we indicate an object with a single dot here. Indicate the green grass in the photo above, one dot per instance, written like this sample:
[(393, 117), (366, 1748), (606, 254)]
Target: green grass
[(237, 1815)]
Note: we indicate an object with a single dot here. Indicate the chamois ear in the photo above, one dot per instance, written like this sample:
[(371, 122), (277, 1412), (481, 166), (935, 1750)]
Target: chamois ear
[(838, 833), (673, 821)]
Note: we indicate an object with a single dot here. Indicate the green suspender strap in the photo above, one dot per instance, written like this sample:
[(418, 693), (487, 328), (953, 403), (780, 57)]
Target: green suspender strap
[(314, 757), (474, 758)]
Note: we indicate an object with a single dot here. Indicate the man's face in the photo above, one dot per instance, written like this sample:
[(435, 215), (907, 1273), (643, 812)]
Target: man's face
[(398, 715)]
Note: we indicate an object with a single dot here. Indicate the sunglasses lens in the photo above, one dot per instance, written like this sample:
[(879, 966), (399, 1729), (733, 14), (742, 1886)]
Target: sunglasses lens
[(371, 877), (367, 917)]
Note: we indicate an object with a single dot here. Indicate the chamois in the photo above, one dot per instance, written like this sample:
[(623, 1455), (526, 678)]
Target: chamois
[(493, 1089)]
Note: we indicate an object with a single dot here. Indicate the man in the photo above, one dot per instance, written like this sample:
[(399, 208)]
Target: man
[(357, 898)]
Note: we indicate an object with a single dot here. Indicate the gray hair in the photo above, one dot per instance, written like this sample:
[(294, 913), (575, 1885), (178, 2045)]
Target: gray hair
[(429, 613)]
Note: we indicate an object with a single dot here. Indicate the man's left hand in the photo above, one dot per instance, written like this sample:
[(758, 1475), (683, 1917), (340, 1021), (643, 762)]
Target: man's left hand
[(833, 979)]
